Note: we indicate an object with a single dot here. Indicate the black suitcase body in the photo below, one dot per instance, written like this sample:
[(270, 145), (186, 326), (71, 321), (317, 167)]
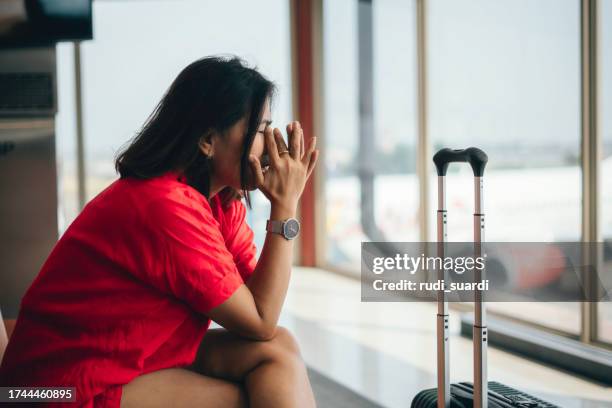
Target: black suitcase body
[(462, 396), (480, 393)]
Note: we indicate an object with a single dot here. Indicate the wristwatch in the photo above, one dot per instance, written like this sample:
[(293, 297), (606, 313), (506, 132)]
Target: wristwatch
[(288, 228)]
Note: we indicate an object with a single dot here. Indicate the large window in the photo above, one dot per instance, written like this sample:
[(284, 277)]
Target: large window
[(504, 76), (139, 47), (370, 116)]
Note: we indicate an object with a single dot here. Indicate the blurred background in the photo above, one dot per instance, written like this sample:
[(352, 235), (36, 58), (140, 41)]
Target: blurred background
[(383, 84)]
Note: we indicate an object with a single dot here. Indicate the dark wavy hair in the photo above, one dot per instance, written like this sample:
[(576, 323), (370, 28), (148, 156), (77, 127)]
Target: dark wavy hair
[(212, 93)]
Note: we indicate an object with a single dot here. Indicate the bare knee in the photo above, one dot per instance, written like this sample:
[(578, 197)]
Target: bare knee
[(282, 349), (286, 341)]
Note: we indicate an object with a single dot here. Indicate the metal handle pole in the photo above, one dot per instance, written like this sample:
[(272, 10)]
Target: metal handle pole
[(480, 324), (444, 397)]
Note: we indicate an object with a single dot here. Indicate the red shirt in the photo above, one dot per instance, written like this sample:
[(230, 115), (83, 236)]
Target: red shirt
[(126, 289)]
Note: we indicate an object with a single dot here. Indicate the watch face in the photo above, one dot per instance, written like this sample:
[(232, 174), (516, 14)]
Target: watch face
[(291, 228)]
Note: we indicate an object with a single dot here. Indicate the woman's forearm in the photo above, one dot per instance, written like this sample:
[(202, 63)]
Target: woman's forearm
[(270, 280)]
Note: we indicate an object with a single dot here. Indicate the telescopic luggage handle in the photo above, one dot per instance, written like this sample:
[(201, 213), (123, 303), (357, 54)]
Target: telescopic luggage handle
[(477, 160), (473, 155)]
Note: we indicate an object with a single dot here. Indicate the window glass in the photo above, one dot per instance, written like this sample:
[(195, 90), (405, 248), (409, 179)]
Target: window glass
[(605, 87), (370, 185), (65, 138), (139, 47), (504, 76)]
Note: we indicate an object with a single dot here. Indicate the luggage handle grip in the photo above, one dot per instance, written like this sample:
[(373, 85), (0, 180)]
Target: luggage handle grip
[(473, 155)]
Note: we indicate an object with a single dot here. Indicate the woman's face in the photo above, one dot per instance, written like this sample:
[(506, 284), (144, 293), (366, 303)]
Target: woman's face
[(227, 152)]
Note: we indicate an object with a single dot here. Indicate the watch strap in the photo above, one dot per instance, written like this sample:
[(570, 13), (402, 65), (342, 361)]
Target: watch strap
[(275, 226)]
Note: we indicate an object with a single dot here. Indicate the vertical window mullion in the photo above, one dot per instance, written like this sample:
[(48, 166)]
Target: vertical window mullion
[(590, 148), (423, 151)]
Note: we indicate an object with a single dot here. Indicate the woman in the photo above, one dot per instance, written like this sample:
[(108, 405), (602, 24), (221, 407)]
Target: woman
[(122, 306)]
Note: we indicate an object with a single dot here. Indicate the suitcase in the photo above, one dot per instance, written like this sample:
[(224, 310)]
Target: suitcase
[(480, 393)]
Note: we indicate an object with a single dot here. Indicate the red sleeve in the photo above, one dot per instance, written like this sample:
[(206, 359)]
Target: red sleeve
[(193, 263), (239, 239)]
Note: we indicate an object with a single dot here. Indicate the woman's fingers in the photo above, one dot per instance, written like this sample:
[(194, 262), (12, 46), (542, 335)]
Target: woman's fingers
[(302, 146), (257, 170), (296, 146), (294, 140), (280, 142), (271, 146), (290, 129), (312, 163), (312, 143)]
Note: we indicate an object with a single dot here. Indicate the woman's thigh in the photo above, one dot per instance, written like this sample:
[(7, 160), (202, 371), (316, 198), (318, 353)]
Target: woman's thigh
[(223, 354), (177, 387)]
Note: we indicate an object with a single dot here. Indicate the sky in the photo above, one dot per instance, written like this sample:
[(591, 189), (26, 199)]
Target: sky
[(139, 47), (499, 72)]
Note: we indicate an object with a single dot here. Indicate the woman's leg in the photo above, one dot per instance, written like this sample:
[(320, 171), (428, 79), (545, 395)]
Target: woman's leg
[(272, 371), (176, 387)]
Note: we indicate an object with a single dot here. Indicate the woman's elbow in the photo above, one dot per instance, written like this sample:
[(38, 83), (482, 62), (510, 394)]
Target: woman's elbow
[(264, 332)]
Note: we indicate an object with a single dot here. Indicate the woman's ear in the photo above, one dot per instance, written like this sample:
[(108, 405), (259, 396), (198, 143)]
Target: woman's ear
[(206, 143)]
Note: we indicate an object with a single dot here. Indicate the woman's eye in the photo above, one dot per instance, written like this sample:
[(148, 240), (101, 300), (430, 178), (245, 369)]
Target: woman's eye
[(265, 160)]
